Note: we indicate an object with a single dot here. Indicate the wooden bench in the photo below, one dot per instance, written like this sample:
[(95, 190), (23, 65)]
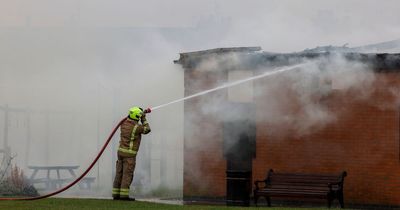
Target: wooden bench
[(319, 186)]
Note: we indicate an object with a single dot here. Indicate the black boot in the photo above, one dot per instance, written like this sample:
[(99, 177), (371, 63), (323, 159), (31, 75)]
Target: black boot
[(127, 199)]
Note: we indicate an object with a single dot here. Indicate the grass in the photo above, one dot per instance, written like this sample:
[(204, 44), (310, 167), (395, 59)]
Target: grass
[(89, 204)]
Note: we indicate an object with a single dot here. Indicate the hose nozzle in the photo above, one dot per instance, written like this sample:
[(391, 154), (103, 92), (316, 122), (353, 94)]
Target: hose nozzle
[(148, 110)]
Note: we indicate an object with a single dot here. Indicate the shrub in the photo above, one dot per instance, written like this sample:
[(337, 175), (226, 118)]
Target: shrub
[(17, 184)]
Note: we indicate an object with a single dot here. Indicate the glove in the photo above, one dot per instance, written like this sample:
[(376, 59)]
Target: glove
[(143, 117)]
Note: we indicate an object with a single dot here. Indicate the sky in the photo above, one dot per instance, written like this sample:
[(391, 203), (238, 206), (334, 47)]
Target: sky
[(283, 26)]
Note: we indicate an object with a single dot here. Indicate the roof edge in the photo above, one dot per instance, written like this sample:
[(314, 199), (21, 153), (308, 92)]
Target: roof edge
[(200, 53)]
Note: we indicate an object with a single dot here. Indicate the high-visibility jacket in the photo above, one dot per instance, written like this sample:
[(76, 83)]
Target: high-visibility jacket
[(131, 135)]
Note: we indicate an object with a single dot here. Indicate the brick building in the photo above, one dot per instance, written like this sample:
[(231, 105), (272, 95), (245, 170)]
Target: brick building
[(340, 114)]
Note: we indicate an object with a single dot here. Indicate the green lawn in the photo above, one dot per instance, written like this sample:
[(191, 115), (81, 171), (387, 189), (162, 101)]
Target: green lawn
[(89, 204)]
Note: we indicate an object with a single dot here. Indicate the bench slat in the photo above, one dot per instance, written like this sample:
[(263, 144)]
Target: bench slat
[(274, 178), (296, 194), (301, 185), (298, 187)]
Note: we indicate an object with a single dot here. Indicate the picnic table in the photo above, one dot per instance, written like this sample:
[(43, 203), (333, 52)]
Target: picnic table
[(55, 177)]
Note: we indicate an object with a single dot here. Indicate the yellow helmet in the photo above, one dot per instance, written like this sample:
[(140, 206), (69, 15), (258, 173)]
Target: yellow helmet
[(135, 113)]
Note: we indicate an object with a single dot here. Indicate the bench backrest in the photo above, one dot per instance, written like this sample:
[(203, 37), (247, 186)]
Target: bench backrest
[(316, 180)]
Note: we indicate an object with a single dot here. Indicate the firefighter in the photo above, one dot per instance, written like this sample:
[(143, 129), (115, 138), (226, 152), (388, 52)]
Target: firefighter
[(131, 133)]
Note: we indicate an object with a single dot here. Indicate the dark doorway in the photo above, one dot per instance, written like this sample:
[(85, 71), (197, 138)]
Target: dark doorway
[(239, 146)]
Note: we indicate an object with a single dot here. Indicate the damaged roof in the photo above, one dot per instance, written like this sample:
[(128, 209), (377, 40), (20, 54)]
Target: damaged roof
[(253, 57)]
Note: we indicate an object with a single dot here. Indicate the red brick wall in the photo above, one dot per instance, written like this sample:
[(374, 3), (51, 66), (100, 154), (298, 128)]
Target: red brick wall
[(204, 165), (363, 140)]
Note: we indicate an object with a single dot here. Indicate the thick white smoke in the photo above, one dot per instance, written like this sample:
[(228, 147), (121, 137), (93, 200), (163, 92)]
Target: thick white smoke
[(74, 68), (291, 104)]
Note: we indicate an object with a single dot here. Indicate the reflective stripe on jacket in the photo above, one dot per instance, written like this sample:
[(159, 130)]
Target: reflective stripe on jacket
[(131, 135)]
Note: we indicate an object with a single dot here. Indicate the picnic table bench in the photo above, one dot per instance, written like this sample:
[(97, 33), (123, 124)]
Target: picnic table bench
[(320, 186), (55, 182)]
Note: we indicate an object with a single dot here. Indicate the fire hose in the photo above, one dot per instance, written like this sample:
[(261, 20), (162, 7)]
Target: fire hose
[(148, 110)]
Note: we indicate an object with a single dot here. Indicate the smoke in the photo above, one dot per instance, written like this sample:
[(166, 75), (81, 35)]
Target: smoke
[(71, 69), (290, 104), (72, 86), (311, 88), (295, 98)]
